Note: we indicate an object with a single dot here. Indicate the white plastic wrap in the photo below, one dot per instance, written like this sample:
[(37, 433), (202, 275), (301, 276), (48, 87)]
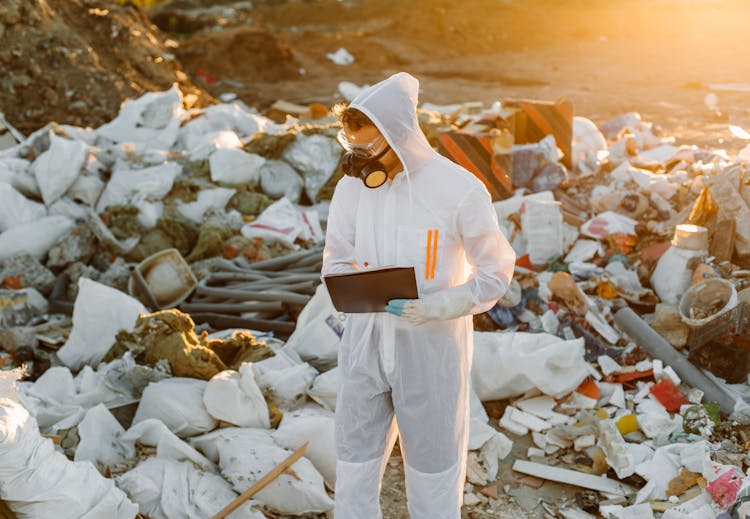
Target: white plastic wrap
[(58, 168), (324, 389), (167, 489), (279, 179), (153, 120), (246, 455), (319, 330), (35, 238), (37, 481), (16, 209), (316, 157), (284, 222), (216, 198), (235, 167), (99, 313), (234, 397), (510, 364), (287, 387), (136, 185), (178, 402), (315, 425)]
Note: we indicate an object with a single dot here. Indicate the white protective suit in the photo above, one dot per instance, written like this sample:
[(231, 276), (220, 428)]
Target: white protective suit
[(438, 218)]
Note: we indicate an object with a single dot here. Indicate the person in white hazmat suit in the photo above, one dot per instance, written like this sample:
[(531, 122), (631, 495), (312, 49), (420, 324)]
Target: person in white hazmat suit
[(401, 203)]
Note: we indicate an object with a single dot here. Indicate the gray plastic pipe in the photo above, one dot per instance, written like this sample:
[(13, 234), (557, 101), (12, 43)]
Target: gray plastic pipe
[(648, 339)]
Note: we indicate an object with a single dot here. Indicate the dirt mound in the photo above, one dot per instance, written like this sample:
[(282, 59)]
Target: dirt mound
[(244, 55), (75, 61)]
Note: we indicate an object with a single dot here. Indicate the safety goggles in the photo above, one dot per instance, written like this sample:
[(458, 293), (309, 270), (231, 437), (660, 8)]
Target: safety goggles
[(364, 150)]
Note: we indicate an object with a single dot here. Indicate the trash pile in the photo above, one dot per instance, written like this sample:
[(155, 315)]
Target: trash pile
[(161, 294)]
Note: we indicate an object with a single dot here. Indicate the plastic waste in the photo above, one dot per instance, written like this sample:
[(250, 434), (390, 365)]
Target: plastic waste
[(17, 209), (216, 199), (319, 330), (278, 179), (235, 167), (153, 120), (38, 481), (132, 186), (341, 57), (316, 158), (234, 397), (245, 455), (284, 222), (165, 489), (315, 425), (509, 364), (34, 237), (178, 402), (99, 313), (58, 168)]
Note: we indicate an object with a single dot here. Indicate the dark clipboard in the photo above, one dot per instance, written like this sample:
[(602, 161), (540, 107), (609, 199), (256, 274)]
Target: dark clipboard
[(367, 291)]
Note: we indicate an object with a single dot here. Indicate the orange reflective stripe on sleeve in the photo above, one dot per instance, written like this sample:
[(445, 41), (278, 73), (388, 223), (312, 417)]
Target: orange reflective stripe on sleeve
[(427, 263), (434, 255)]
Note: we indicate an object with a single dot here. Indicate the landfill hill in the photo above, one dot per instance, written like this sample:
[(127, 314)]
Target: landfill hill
[(75, 61)]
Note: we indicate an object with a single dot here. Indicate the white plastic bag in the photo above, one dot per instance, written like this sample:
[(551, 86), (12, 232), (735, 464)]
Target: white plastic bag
[(246, 455), (152, 120), (325, 388), (235, 167), (606, 223), (178, 402), (284, 222), (17, 209), (153, 433), (35, 238), (278, 179), (17, 173), (319, 330), (37, 481), (671, 277), (542, 229), (86, 189), (316, 157), (587, 142), (286, 388), (98, 314), (234, 397), (136, 185), (229, 117), (216, 198), (510, 364), (58, 168), (99, 434), (200, 147), (167, 489), (315, 425)]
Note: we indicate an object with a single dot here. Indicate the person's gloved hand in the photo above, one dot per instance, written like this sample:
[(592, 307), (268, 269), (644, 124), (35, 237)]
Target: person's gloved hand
[(512, 296), (450, 303)]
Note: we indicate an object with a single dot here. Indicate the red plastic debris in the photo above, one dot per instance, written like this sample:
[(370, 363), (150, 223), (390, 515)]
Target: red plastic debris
[(668, 395), (209, 78), (13, 282), (590, 389), (524, 262), (621, 378), (724, 489)]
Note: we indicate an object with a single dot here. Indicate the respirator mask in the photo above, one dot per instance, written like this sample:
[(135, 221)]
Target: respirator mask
[(362, 160)]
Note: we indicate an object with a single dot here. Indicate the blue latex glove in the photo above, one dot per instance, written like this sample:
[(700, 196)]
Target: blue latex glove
[(450, 303), (396, 306)]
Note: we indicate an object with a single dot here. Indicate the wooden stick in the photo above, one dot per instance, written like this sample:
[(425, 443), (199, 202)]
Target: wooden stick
[(261, 483)]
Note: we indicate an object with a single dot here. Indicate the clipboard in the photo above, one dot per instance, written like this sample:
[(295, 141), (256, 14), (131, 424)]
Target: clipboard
[(367, 291)]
